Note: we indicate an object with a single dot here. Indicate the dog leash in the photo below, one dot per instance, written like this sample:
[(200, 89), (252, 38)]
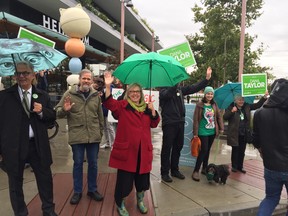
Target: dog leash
[(217, 148)]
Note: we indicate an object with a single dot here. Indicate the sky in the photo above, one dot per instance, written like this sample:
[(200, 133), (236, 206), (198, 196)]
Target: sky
[(171, 20)]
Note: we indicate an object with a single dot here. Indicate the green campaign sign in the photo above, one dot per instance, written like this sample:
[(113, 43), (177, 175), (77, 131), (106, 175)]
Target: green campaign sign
[(182, 53), (254, 84), (24, 33)]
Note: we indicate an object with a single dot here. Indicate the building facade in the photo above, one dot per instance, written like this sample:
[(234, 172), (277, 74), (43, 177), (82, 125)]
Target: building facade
[(42, 17)]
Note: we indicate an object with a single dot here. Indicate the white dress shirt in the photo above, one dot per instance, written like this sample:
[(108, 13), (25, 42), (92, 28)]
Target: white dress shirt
[(29, 94)]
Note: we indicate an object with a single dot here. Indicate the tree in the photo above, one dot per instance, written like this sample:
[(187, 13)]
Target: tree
[(217, 44), (113, 60)]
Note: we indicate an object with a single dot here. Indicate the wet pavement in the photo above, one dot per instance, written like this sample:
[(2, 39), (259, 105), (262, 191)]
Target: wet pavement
[(181, 197)]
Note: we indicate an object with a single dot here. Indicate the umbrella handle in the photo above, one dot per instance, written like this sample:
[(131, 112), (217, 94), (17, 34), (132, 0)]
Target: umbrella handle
[(150, 75)]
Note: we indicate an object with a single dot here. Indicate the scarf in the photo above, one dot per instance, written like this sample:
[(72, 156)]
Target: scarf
[(139, 107)]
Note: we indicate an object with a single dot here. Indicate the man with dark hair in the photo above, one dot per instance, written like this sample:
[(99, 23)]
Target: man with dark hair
[(270, 135), (109, 130), (24, 138), (173, 120), (42, 82)]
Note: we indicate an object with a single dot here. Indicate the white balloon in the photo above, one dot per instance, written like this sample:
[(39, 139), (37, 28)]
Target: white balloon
[(73, 79), (74, 21)]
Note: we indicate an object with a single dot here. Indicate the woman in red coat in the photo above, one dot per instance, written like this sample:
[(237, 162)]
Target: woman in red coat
[(132, 150)]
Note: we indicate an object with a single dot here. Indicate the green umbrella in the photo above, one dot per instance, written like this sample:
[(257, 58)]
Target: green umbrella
[(225, 94), (151, 70)]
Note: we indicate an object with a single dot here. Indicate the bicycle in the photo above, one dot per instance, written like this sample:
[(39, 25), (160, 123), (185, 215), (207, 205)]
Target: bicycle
[(53, 130)]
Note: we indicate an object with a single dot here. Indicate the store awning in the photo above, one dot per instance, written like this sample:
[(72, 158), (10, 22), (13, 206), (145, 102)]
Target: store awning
[(9, 27)]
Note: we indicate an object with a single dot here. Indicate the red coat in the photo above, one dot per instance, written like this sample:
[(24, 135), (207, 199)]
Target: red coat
[(133, 132)]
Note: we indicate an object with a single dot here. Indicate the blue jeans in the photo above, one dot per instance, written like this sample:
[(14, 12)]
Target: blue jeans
[(78, 150), (274, 182)]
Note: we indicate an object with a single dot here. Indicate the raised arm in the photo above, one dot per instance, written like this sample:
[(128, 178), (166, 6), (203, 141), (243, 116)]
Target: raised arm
[(108, 81)]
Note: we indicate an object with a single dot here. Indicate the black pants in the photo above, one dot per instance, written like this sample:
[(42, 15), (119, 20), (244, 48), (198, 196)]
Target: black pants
[(125, 180), (238, 153), (44, 182), (172, 144), (203, 157)]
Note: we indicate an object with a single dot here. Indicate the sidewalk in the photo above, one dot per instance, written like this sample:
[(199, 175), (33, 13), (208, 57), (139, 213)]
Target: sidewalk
[(181, 197)]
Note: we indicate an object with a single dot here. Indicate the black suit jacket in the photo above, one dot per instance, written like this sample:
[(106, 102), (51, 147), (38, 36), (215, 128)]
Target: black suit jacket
[(14, 127)]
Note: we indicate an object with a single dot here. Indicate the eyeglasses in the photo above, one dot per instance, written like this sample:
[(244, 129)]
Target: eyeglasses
[(137, 92), (98, 81), (24, 73)]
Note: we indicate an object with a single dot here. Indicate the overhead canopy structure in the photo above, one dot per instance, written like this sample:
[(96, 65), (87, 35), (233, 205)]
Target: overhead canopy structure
[(9, 27)]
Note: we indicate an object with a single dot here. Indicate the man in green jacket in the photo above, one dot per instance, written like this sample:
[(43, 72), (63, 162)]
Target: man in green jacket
[(82, 106)]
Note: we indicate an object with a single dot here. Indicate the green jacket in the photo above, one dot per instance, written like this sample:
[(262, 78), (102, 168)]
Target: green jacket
[(85, 119)]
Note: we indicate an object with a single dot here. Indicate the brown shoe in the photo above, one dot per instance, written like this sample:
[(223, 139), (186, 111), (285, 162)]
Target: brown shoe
[(195, 176)]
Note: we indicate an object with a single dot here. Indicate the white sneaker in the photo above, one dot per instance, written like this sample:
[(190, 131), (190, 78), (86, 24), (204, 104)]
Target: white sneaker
[(104, 146)]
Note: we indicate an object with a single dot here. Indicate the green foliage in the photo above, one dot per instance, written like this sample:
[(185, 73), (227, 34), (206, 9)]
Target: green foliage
[(218, 43), (86, 2)]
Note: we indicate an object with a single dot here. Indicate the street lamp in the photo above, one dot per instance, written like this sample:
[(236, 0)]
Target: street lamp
[(128, 4)]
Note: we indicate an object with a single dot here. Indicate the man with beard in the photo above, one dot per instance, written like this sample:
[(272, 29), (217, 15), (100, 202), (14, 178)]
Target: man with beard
[(82, 106)]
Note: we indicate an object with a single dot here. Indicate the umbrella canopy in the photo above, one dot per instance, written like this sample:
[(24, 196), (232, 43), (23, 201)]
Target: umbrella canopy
[(21, 49), (151, 70), (224, 95)]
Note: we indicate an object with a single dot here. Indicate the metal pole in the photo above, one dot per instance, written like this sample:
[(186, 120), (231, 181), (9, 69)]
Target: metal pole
[(242, 40), (153, 41), (225, 63), (122, 31)]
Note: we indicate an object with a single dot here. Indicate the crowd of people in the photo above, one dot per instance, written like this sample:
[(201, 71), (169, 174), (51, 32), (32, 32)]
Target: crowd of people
[(24, 138)]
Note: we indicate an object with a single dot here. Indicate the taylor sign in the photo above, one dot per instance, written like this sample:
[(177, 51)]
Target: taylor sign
[(254, 84), (182, 53)]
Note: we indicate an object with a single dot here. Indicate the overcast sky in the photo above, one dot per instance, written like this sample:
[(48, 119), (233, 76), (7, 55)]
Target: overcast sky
[(171, 20)]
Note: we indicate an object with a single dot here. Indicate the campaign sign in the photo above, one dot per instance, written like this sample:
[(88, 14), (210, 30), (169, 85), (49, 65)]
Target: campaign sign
[(186, 158), (182, 53), (116, 92), (24, 33), (254, 84)]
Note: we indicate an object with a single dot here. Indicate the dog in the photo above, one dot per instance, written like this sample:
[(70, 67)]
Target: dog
[(218, 173)]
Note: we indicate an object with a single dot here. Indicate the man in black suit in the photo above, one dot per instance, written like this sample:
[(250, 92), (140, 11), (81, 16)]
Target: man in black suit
[(25, 113)]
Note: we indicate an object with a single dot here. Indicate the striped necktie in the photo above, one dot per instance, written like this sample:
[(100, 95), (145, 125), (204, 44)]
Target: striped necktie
[(25, 103)]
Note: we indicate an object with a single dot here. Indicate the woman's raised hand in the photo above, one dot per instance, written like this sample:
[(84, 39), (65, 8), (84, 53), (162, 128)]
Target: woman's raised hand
[(151, 107), (108, 78)]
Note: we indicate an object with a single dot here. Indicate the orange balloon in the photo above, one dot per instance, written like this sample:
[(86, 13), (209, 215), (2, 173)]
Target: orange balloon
[(74, 47)]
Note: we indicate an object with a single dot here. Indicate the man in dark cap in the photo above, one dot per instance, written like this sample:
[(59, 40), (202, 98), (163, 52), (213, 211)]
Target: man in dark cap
[(271, 139)]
